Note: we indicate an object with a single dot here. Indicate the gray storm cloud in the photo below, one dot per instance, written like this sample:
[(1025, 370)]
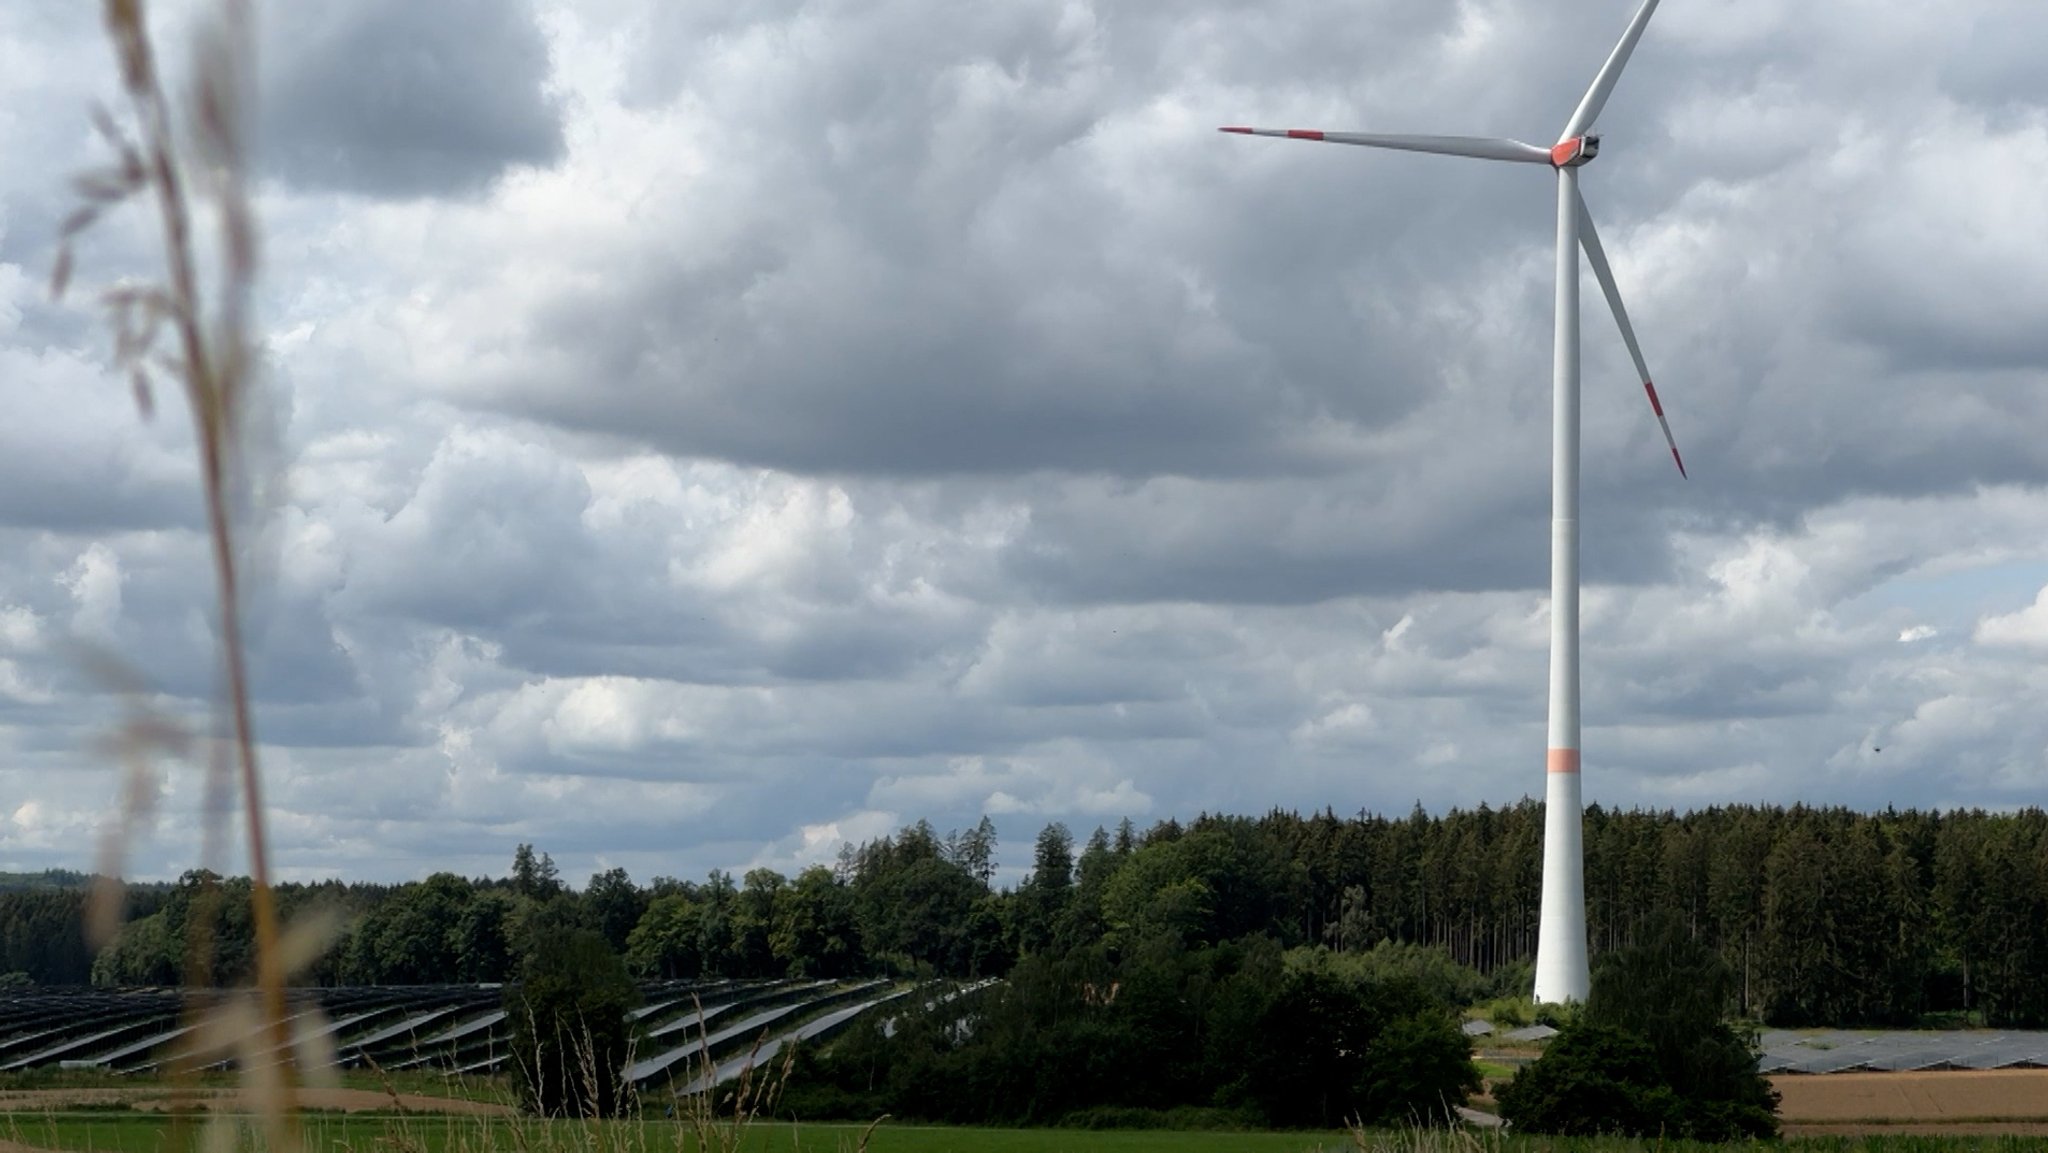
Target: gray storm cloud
[(711, 431), (391, 98)]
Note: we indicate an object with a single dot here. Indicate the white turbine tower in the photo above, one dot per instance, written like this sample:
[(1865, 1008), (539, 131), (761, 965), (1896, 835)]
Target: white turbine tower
[(1561, 973)]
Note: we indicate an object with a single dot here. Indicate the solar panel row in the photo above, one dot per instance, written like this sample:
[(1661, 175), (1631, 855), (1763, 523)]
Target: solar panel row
[(463, 1028), (1838, 1051)]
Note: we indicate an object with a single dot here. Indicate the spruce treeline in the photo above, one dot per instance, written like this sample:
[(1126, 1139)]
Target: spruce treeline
[(1824, 916), (42, 925)]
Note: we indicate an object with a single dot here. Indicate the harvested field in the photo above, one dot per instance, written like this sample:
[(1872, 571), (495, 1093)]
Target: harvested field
[(1990, 1101), (1958, 1129)]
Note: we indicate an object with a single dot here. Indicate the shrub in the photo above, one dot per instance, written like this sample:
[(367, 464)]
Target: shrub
[(1650, 1054), (1592, 1079), (570, 1034), (1430, 967), (1416, 1072), (1329, 1048), (1509, 1012)]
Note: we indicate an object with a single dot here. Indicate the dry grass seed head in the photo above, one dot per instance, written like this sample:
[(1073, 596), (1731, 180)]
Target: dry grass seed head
[(212, 362), (144, 736)]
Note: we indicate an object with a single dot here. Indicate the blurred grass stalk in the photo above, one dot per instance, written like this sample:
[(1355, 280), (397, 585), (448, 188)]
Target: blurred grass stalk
[(179, 162)]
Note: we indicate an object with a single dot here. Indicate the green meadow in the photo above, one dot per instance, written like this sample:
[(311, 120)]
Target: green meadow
[(118, 1132)]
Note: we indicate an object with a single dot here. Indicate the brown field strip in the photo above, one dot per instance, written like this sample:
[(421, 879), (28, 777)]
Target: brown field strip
[(157, 1097), (1950, 1098), (1920, 1129)]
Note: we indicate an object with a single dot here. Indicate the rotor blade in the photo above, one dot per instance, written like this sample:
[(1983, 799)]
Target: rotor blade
[(1597, 256), (1481, 147), (1603, 84)]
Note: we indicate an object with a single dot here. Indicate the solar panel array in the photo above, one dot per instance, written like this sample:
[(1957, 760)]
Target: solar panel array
[(684, 1027), (1843, 1051), (1865, 1050)]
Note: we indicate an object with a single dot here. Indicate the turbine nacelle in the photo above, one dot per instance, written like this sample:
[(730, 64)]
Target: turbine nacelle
[(1574, 152)]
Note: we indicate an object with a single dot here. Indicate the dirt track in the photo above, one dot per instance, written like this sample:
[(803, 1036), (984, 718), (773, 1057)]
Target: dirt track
[(1949, 1101), (157, 1097)]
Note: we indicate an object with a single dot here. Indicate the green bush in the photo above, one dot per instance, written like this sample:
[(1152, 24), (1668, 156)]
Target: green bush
[(1416, 1072), (1428, 966), (1592, 1079), (1509, 1012), (570, 1033), (1329, 1049), (1649, 1055), (1597, 1079)]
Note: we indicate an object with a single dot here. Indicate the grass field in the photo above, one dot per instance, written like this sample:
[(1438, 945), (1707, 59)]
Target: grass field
[(1996, 1112), (136, 1133)]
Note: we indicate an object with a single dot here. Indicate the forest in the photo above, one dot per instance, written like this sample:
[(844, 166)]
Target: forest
[(1823, 916)]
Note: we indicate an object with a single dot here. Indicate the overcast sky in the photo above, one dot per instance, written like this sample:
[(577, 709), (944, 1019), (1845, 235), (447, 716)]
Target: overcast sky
[(709, 432)]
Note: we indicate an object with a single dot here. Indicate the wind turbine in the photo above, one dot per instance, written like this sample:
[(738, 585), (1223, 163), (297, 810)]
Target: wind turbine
[(1561, 972)]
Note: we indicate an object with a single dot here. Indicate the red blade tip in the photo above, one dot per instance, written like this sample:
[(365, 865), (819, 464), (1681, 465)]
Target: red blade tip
[(1239, 131)]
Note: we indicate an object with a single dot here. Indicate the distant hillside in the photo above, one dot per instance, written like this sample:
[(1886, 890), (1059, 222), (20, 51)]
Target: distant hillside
[(47, 879), (68, 880)]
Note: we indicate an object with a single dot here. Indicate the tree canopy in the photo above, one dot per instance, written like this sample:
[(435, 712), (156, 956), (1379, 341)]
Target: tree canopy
[(1821, 916)]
